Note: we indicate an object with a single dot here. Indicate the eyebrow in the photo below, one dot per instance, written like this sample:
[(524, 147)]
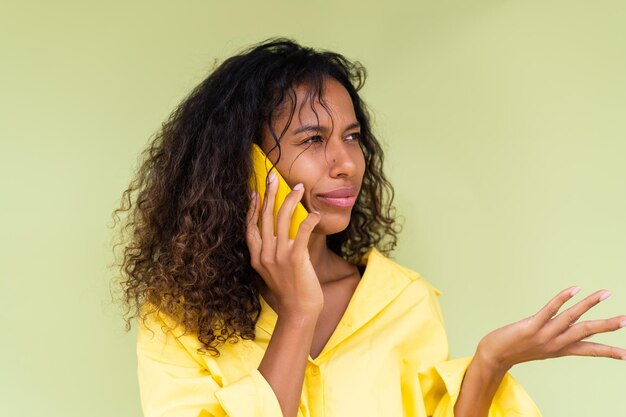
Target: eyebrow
[(315, 128)]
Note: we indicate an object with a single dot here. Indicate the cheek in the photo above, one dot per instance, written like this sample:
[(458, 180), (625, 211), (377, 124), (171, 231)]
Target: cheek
[(307, 202), (362, 165), (289, 172), (302, 170)]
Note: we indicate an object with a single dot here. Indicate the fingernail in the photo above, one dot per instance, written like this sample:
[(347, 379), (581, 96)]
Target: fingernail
[(574, 291), (605, 295), (272, 176), (298, 186), (622, 324)]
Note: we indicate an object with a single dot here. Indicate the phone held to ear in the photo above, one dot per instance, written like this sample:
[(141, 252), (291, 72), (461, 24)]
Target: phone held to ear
[(262, 166)]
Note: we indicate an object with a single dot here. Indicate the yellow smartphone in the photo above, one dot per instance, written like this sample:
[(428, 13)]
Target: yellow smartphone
[(262, 166)]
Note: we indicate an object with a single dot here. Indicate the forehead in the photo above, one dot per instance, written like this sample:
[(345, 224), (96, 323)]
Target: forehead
[(335, 103)]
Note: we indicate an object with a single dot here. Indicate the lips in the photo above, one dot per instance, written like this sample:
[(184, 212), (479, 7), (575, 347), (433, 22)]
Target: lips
[(342, 197), (340, 193)]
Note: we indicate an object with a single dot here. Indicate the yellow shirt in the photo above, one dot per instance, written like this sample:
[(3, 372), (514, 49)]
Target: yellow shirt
[(388, 357)]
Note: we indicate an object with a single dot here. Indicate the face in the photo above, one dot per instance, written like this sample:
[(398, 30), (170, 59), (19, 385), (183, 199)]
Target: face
[(324, 156)]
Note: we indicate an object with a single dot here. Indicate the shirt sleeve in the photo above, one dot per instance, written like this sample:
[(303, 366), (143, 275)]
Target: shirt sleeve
[(439, 378), (175, 382), (442, 385)]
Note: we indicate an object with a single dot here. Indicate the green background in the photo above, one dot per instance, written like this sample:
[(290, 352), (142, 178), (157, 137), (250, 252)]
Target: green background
[(505, 129)]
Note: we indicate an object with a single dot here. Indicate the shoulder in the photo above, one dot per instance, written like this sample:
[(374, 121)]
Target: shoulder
[(386, 265), (159, 331)]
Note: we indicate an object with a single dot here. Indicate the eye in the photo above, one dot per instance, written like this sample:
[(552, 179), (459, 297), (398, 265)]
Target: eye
[(312, 139), (357, 135)]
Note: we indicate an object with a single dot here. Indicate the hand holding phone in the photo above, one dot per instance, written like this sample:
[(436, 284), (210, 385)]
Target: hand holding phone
[(262, 166), (281, 256)]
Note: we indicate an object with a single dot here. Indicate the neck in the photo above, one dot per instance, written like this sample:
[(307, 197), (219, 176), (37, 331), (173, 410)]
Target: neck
[(322, 258)]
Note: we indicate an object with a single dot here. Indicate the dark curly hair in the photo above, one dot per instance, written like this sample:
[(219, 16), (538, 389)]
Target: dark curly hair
[(186, 252)]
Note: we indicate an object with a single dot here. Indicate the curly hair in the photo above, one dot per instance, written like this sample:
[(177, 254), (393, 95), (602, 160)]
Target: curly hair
[(186, 252)]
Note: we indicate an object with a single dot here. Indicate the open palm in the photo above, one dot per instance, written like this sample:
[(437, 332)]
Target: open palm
[(550, 334)]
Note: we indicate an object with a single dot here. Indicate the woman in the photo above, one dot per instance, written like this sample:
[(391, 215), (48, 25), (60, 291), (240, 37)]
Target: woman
[(240, 320)]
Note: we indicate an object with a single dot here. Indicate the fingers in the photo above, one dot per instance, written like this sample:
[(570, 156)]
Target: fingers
[(267, 215), (553, 306), (285, 213), (269, 243), (571, 315), (585, 329), (544, 336), (304, 231), (594, 349)]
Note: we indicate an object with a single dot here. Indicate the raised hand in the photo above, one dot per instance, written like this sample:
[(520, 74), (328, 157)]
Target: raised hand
[(284, 264), (548, 334)]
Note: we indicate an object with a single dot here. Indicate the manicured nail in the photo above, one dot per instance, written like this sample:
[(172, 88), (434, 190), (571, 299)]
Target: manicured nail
[(605, 295), (574, 291), (298, 186), (623, 324), (272, 176)]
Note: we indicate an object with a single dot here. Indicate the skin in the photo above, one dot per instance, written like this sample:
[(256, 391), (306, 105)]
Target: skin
[(301, 274), (304, 279), (546, 334)]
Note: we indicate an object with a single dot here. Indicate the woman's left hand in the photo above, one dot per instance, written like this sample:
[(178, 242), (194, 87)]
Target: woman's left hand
[(548, 335)]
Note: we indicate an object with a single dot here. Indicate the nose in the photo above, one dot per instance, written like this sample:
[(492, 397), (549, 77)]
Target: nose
[(340, 157)]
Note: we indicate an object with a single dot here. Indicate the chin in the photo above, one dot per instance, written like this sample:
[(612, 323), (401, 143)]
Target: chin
[(332, 225)]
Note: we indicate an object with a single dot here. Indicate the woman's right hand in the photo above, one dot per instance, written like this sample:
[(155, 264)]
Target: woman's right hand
[(284, 264)]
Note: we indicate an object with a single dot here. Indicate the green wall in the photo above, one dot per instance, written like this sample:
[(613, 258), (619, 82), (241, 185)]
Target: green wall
[(505, 129)]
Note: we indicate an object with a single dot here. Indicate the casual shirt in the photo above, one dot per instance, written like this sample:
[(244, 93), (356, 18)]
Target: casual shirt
[(387, 357)]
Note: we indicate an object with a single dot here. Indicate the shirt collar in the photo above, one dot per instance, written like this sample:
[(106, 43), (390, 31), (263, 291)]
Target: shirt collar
[(382, 281)]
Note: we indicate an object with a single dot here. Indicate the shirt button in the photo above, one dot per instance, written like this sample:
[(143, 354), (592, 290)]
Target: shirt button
[(315, 371)]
